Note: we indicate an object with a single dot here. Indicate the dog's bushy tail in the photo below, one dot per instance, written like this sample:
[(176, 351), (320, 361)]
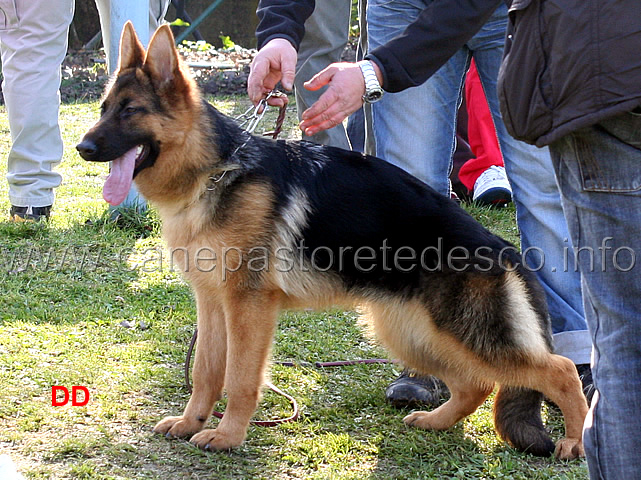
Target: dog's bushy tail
[(517, 418)]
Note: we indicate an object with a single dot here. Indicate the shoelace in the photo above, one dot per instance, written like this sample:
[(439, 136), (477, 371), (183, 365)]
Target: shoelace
[(493, 173)]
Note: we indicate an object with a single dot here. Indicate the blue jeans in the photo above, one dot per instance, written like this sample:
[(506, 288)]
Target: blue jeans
[(599, 173), (416, 130)]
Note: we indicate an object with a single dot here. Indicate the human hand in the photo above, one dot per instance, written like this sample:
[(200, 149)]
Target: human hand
[(343, 97), (275, 62)]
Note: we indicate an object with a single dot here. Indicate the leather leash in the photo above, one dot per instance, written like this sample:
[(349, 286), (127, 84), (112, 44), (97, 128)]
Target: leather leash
[(295, 409), (250, 119)]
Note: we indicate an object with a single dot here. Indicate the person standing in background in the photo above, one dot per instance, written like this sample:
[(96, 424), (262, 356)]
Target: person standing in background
[(33, 44)]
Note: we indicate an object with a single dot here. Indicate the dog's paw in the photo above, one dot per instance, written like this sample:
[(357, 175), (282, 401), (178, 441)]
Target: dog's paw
[(215, 439), (424, 420), (178, 427), (569, 448)]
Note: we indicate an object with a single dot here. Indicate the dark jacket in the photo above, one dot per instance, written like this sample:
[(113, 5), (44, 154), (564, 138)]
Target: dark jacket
[(282, 19), (568, 64), (440, 30)]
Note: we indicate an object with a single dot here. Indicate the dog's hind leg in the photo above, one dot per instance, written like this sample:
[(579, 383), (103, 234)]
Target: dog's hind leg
[(251, 321), (558, 379), (208, 372), (466, 398)]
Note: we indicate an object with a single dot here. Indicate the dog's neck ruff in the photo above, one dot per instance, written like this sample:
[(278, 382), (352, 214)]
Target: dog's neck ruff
[(216, 178), (232, 163), (241, 146)]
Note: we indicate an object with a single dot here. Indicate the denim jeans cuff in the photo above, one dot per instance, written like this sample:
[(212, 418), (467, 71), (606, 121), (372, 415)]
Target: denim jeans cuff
[(575, 345)]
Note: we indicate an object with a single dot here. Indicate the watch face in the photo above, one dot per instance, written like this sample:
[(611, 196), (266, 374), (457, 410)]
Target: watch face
[(373, 96)]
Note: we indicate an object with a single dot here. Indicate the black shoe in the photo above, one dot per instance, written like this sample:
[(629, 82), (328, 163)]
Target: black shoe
[(411, 390), (34, 214), (585, 374)]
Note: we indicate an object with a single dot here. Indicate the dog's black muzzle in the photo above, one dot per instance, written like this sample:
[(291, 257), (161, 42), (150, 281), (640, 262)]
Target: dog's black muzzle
[(88, 150)]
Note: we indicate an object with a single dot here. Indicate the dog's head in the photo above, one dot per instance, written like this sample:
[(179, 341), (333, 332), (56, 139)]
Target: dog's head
[(146, 111)]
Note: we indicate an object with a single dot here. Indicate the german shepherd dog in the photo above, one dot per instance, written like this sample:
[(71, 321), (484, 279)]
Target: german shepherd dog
[(293, 224)]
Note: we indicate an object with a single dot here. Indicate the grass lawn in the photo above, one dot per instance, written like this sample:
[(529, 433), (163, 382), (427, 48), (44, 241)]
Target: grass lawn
[(96, 305)]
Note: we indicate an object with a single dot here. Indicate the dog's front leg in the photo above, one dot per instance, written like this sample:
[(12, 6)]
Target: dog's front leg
[(251, 321), (208, 372)]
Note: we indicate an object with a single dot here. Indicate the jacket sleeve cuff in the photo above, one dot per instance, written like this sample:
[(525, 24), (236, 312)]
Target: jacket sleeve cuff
[(284, 19), (278, 35)]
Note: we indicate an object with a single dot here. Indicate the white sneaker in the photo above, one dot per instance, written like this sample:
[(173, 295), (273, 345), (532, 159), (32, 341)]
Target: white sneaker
[(492, 188)]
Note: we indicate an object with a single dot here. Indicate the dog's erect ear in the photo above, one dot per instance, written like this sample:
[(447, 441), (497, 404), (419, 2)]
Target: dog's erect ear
[(132, 53), (162, 58)]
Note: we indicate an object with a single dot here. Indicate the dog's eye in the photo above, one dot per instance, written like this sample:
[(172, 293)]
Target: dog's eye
[(129, 110)]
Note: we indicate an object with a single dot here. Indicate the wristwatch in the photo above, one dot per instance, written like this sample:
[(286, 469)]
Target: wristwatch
[(373, 90)]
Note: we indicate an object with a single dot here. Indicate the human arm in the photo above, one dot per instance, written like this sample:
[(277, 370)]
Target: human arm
[(279, 33), (282, 19), (441, 29), (425, 45), (342, 98)]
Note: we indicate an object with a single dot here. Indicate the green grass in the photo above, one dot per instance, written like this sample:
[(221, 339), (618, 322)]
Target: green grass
[(67, 287)]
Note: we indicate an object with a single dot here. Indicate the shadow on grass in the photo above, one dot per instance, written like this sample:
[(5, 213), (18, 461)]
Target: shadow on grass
[(62, 321), (65, 275)]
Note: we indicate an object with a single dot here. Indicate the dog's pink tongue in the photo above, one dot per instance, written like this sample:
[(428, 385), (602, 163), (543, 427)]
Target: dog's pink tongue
[(120, 177)]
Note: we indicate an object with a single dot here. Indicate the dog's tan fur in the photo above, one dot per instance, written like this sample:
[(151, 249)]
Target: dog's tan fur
[(237, 313)]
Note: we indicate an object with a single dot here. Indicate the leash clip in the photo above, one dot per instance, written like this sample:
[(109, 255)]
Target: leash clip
[(215, 179), (250, 119)]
